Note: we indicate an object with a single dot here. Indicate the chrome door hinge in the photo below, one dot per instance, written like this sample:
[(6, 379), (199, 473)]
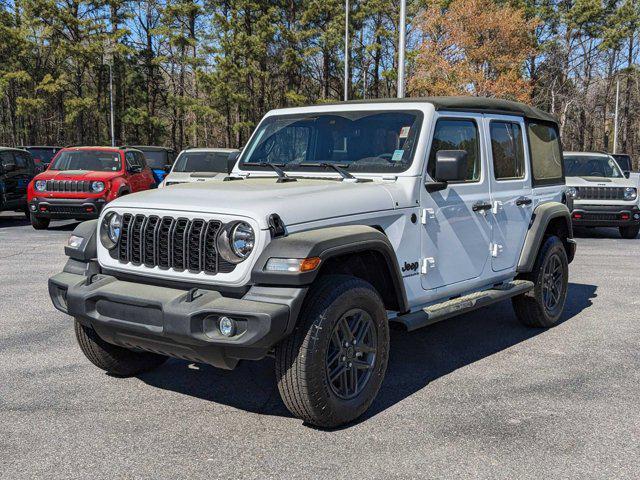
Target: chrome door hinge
[(426, 264), (496, 249), (426, 214)]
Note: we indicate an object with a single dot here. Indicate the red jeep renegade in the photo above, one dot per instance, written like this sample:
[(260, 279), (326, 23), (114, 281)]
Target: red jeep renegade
[(81, 180)]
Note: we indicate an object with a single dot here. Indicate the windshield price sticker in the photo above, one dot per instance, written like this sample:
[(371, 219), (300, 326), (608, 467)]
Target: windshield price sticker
[(404, 132), (397, 155)]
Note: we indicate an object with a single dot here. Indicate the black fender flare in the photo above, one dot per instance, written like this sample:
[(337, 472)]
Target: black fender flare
[(326, 243), (542, 216)]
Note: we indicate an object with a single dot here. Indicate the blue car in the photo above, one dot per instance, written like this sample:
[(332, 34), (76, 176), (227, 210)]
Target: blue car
[(159, 159)]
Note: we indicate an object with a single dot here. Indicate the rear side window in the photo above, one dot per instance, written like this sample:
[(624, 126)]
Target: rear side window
[(457, 134), (546, 156), (507, 150)]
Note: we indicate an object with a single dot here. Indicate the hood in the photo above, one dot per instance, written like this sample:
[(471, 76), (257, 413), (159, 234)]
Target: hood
[(195, 176), (599, 182), (302, 201), (77, 175)]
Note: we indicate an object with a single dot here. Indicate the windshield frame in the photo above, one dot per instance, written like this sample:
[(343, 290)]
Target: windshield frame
[(591, 157), (61, 153), (313, 167), (184, 153)]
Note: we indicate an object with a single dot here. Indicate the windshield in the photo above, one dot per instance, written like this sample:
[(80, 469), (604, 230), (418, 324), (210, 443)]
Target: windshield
[(202, 162), (374, 142), (156, 159), (591, 166), (43, 154), (94, 160)]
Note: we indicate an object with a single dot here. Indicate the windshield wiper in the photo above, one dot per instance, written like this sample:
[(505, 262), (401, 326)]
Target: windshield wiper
[(282, 176), (337, 167)]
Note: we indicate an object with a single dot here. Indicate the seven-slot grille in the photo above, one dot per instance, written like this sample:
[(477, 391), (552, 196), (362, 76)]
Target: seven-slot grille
[(167, 242), (68, 186), (600, 193)]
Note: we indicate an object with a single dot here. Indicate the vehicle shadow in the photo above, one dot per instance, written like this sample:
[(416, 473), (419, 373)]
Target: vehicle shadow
[(17, 220), (416, 359)]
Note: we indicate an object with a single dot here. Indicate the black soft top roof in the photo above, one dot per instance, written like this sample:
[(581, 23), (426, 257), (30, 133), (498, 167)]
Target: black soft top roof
[(472, 104), (150, 148)]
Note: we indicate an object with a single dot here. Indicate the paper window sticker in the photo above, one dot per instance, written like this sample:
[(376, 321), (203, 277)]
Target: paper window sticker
[(404, 132), (397, 155)]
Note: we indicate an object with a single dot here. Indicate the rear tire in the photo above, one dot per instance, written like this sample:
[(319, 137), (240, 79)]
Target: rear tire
[(543, 306), (113, 359), (331, 367), (39, 223), (630, 232)]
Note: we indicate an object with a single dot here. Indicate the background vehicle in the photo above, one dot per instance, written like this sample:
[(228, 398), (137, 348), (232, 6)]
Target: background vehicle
[(81, 180), (42, 155), (624, 162), (17, 168), (340, 218), (201, 164), (159, 159), (602, 195)]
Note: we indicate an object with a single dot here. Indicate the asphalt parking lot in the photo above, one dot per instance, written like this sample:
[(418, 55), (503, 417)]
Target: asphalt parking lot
[(476, 396)]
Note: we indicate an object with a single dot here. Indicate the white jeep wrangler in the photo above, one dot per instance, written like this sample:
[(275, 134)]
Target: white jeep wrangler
[(602, 194), (336, 220)]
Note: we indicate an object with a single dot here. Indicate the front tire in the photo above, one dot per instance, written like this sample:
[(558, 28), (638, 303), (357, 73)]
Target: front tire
[(630, 232), (331, 367), (39, 223), (543, 306), (113, 359)]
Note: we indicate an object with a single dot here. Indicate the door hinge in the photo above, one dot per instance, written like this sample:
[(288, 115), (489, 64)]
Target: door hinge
[(426, 264), (426, 214), (497, 206), (496, 249)]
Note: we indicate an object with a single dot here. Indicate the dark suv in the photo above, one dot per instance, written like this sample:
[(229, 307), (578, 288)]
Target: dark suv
[(42, 154), (17, 168)]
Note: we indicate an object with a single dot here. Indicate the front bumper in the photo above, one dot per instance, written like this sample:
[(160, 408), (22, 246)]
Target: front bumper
[(177, 322), (605, 215), (64, 208)]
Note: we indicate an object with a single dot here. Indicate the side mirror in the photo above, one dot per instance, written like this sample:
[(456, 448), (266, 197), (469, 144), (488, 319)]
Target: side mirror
[(232, 159), (451, 166), (39, 169), (167, 168), (627, 174), (8, 167)]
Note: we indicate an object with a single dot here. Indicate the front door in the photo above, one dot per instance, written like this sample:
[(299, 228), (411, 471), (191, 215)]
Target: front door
[(456, 227), (510, 181)]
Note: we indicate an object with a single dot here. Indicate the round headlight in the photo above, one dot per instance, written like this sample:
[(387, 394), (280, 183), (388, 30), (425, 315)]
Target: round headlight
[(572, 192), (97, 187), (110, 229), (40, 185), (630, 193), (236, 242)]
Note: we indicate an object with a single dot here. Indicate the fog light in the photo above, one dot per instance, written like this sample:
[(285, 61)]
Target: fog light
[(636, 216), (227, 326), (33, 207)]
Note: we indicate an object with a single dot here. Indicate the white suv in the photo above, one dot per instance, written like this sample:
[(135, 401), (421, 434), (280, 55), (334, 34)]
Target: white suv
[(200, 165), (603, 195), (337, 220)]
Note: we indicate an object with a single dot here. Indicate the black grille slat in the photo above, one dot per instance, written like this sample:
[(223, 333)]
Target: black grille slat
[(68, 186), (123, 243), (165, 242)]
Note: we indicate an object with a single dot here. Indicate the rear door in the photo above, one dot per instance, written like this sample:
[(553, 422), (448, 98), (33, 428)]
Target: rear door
[(24, 174), (510, 183), (135, 179)]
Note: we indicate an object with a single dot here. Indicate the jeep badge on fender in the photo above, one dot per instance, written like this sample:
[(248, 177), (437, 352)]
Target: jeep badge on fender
[(298, 257)]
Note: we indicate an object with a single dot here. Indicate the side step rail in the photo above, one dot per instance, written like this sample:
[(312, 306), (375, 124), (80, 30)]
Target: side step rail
[(457, 306)]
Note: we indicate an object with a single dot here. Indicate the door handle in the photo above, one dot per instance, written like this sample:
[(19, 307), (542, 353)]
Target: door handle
[(523, 201), (481, 207)]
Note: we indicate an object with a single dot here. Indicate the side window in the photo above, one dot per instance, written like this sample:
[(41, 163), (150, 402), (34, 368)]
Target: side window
[(6, 158), (546, 157), (507, 150), (131, 160), (141, 160), (457, 134), (21, 161)]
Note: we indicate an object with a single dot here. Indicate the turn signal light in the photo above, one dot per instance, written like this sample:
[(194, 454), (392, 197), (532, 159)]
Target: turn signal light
[(309, 264), (293, 265), (577, 216), (625, 216)]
